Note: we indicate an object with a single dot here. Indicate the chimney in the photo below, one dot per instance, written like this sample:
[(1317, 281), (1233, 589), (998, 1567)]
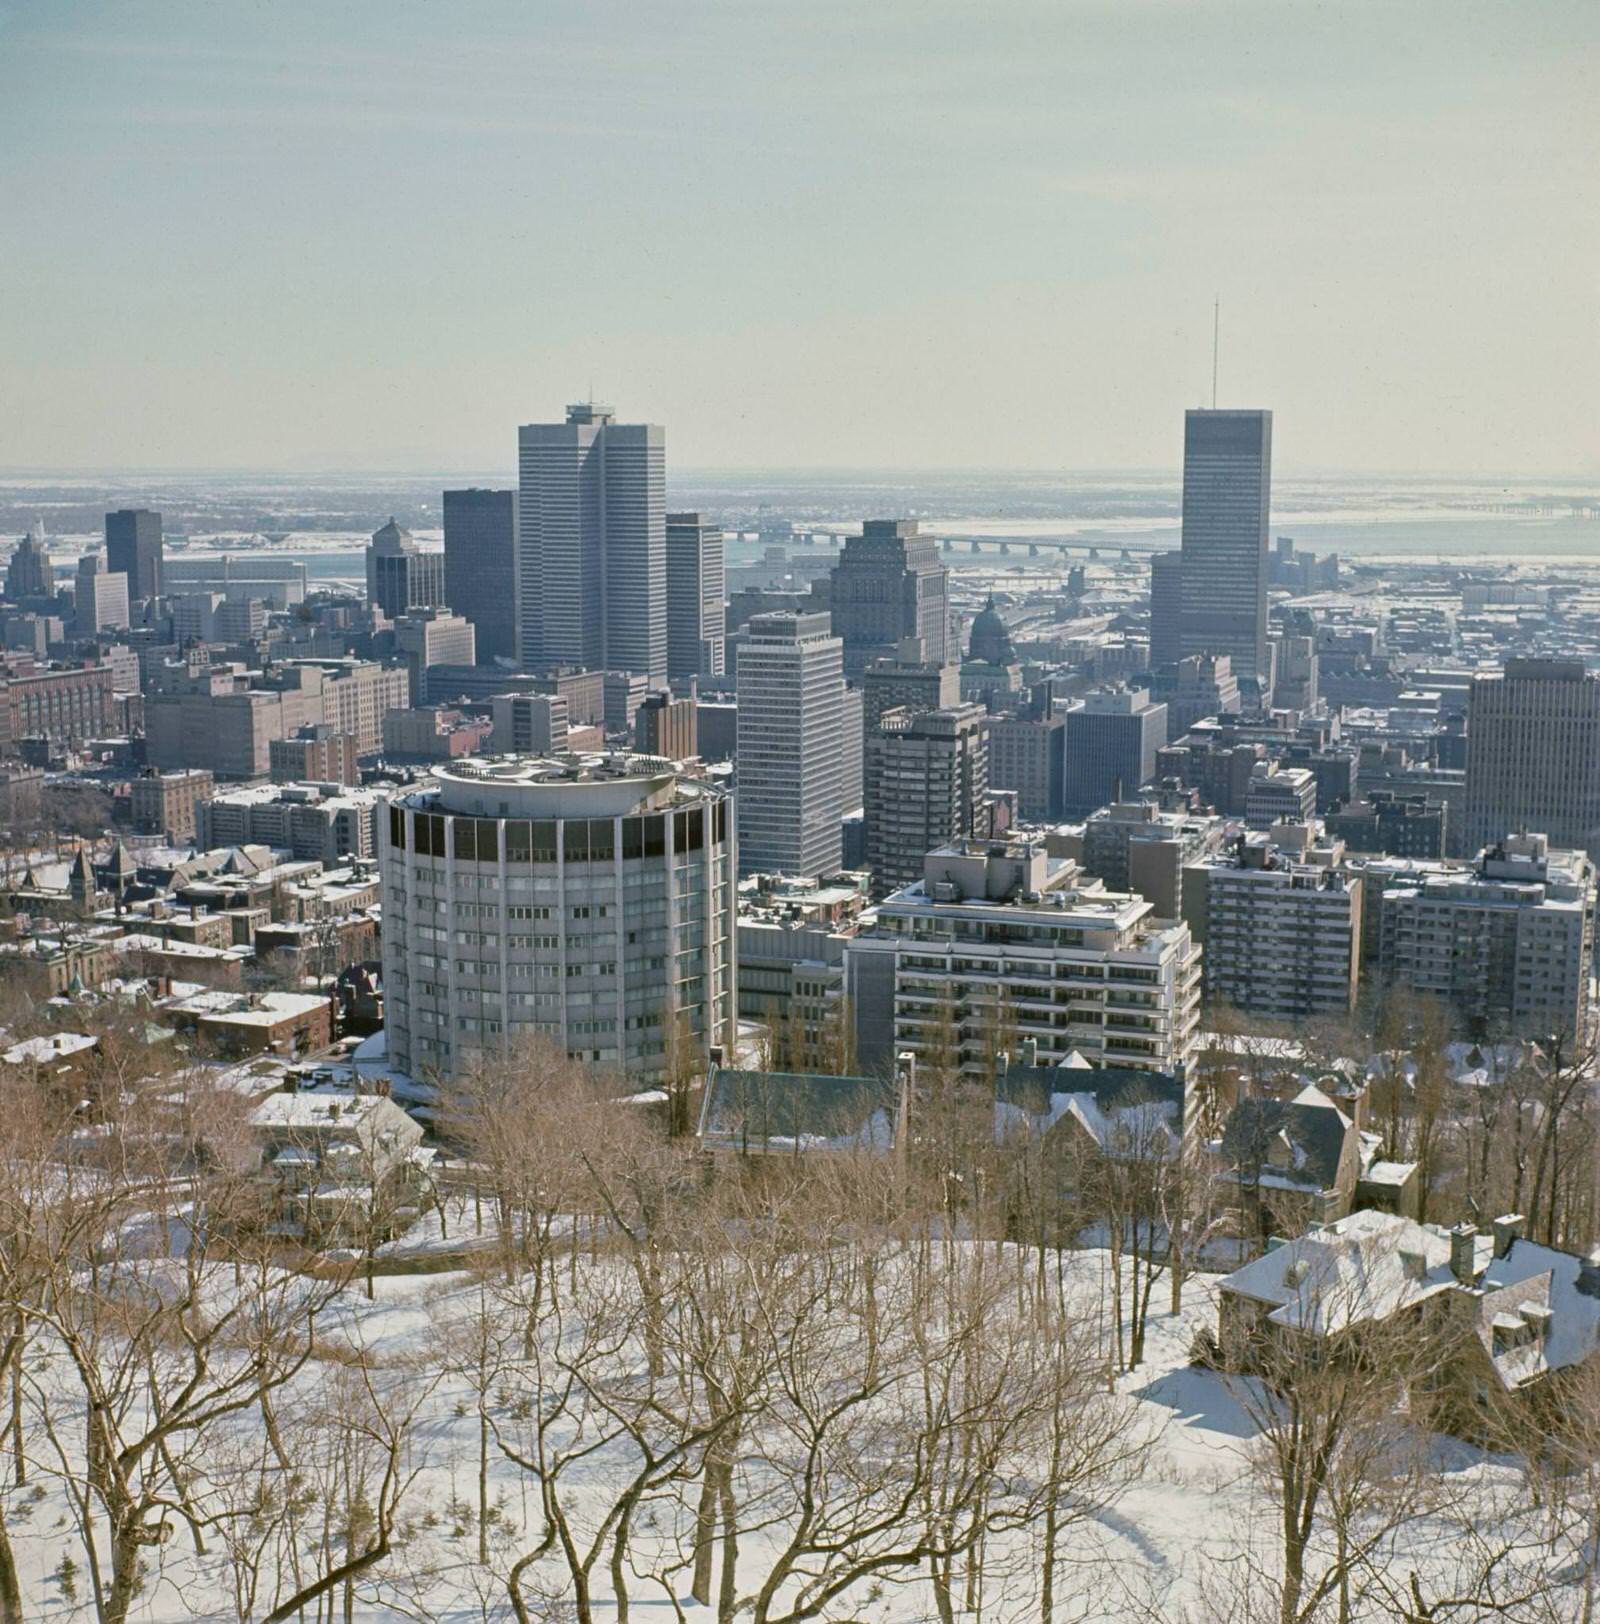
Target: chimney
[(1030, 1051), (1463, 1245), (1506, 1230), (905, 1076)]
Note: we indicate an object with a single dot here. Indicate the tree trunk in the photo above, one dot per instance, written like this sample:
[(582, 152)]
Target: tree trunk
[(10, 1586), (728, 1591), (705, 1533)]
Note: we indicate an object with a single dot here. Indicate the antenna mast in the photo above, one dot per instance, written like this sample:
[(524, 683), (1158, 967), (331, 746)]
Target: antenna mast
[(1216, 332)]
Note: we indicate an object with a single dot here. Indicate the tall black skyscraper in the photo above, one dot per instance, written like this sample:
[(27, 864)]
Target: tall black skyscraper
[(133, 548), (480, 566), (1227, 488)]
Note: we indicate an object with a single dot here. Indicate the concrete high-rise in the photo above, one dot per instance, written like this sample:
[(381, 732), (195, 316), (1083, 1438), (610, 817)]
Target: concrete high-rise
[(133, 548), (592, 543), (1533, 755), (1227, 490), (1112, 736), (697, 596), (590, 904), (889, 584), (927, 779), (480, 567), (100, 597), (789, 756)]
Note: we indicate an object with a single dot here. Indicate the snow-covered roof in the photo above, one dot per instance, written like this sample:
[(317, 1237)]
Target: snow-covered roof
[(1553, 1297), (40, 1051), (298, 1110), (1362, 1269)]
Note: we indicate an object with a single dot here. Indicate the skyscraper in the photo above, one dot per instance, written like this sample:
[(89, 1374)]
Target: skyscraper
[(133, 548), (889, 584), (788, 759), (480, 567), (1227, 489), (400, 575), (927, 779), (29, 574), (696, 598), (592, 543), (1533, 755)]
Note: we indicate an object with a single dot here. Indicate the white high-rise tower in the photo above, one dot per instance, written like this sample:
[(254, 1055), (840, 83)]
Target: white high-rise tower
[(592, 542)]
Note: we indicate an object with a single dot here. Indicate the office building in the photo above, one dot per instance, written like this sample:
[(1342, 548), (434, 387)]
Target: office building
[(400, 575), (530, 724), (1533, 755), (325, 823), (317, 754), (1028, 754), (1112, 736), (589, 904), (480, 567), (793, 936), (29, 573), (852, 751), (1136, 846), (279, 583), (1166, 609), (1392, 825), (1193, 689), (1508, 942), (592, 543), (433, 733), (1295, 685), (789, 758), (1288, 795), (167, 804), (664, 726), (133, 548), (1282, 938), (697, 597), (1227, 489), (225, 719), (100, 597), (68, 705), (905, 681), (999, 945), (426, 638), (927, 779), (889, 584)]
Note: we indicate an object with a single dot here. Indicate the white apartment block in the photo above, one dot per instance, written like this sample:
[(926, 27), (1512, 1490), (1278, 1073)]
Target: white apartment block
[(1282, 938), (588, 901), (327, 822), (1509, 941), (999, 943)]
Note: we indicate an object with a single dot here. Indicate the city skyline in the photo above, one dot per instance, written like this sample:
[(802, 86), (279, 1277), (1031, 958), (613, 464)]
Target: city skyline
[(1014, 227)]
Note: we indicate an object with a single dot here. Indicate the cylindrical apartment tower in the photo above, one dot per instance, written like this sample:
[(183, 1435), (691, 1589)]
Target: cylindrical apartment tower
[(588, 900)]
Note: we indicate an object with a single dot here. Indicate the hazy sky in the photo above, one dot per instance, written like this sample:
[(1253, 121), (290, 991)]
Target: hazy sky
[(379, 235)]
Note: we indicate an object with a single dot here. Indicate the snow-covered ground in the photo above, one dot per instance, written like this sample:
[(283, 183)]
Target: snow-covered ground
[(1193, 1503)]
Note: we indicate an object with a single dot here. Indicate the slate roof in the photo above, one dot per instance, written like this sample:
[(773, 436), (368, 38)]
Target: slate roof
[(777, 1110), (1310, 1126)]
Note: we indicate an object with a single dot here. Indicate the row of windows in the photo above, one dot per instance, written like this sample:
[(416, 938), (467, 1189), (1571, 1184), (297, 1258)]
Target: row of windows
[(578, 840)]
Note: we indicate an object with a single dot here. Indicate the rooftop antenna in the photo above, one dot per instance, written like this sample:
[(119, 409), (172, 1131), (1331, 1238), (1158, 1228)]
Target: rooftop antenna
[(1216, 333)]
